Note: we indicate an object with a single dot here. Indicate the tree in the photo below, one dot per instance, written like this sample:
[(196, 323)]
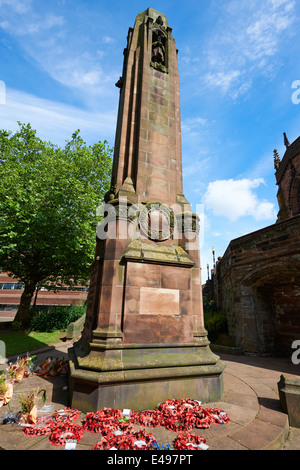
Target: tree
[(48, 201)]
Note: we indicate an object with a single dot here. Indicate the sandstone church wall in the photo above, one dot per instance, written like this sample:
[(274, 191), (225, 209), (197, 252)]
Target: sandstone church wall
[(259, 288)]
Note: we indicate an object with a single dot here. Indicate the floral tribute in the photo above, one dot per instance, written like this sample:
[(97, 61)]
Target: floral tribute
[(117, 431), (52, 367), (23, 367)]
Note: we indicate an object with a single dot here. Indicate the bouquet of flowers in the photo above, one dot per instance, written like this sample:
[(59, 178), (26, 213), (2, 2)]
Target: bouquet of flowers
[(28, 413), (6, 391)]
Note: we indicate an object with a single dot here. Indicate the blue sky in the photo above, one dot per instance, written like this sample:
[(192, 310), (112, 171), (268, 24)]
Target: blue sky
[(238, 61)]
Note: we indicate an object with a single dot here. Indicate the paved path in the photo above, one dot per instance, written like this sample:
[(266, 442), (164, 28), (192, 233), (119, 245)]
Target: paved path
[(250, 400)]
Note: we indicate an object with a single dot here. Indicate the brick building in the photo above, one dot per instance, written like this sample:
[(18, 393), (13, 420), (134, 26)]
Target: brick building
[(11, 290), (257, 281)]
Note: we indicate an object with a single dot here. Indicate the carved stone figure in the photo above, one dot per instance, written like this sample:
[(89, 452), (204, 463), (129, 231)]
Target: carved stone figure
[(159, 38)]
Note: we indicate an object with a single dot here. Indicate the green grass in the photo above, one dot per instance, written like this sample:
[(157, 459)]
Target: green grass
[(21, 342)]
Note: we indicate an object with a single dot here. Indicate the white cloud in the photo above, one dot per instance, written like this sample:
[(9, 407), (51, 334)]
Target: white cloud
[(277, 3), (55, 121), (108, 40), (246, 42), (18, 6), (224, 79), (77, 73), (191, 123), (236, 198), (32, 24), (45, 24), (196, 166), (57, 49), (195, 126), (263, 34)]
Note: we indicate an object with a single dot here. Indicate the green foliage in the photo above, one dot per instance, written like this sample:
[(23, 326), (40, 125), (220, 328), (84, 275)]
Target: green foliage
[(58, 318), (48, 208), (43, 396), (215, 321)]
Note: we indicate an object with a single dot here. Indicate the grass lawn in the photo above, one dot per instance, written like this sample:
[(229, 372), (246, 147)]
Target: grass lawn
[(18, 342)]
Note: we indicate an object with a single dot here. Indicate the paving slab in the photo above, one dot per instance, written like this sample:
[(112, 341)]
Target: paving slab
[(293, 442), (259, 435), (250, 399)]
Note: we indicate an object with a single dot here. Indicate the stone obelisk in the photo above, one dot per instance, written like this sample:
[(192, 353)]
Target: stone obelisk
[(144, 339)]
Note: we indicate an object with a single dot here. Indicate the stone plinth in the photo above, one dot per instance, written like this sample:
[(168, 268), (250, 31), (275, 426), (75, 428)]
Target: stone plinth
[(141, 376), (289, 394)]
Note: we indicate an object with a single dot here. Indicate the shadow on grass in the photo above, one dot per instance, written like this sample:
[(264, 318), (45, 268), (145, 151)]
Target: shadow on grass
[(20, 342)]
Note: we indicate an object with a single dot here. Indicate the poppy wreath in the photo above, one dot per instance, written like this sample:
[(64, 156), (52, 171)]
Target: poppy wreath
[(133, 417), (91, 423), (179, 415), (142, 440), (107, 418), (38, 431), (183, 415), (202, 422), (176, 425), (117, 443), (109, 429), (122, 442), (102, 445), (124, 428), (176, 415), (150, 418), (171, 407), (189, 441), (108, 414), (138, 440), (61, 434), (65, 415), (217, 416), (210, 416)]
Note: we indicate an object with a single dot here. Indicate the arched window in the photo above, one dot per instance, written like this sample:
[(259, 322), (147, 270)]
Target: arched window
[(294, 200)]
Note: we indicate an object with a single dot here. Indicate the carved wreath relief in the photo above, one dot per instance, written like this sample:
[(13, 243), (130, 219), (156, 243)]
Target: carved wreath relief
[(157, 221)]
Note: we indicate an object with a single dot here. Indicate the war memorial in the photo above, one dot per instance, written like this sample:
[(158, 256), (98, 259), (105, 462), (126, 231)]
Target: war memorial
[(144, 338), (143, 345)]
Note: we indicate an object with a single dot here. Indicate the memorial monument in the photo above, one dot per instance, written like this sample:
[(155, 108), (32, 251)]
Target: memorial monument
[(144, 339)]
